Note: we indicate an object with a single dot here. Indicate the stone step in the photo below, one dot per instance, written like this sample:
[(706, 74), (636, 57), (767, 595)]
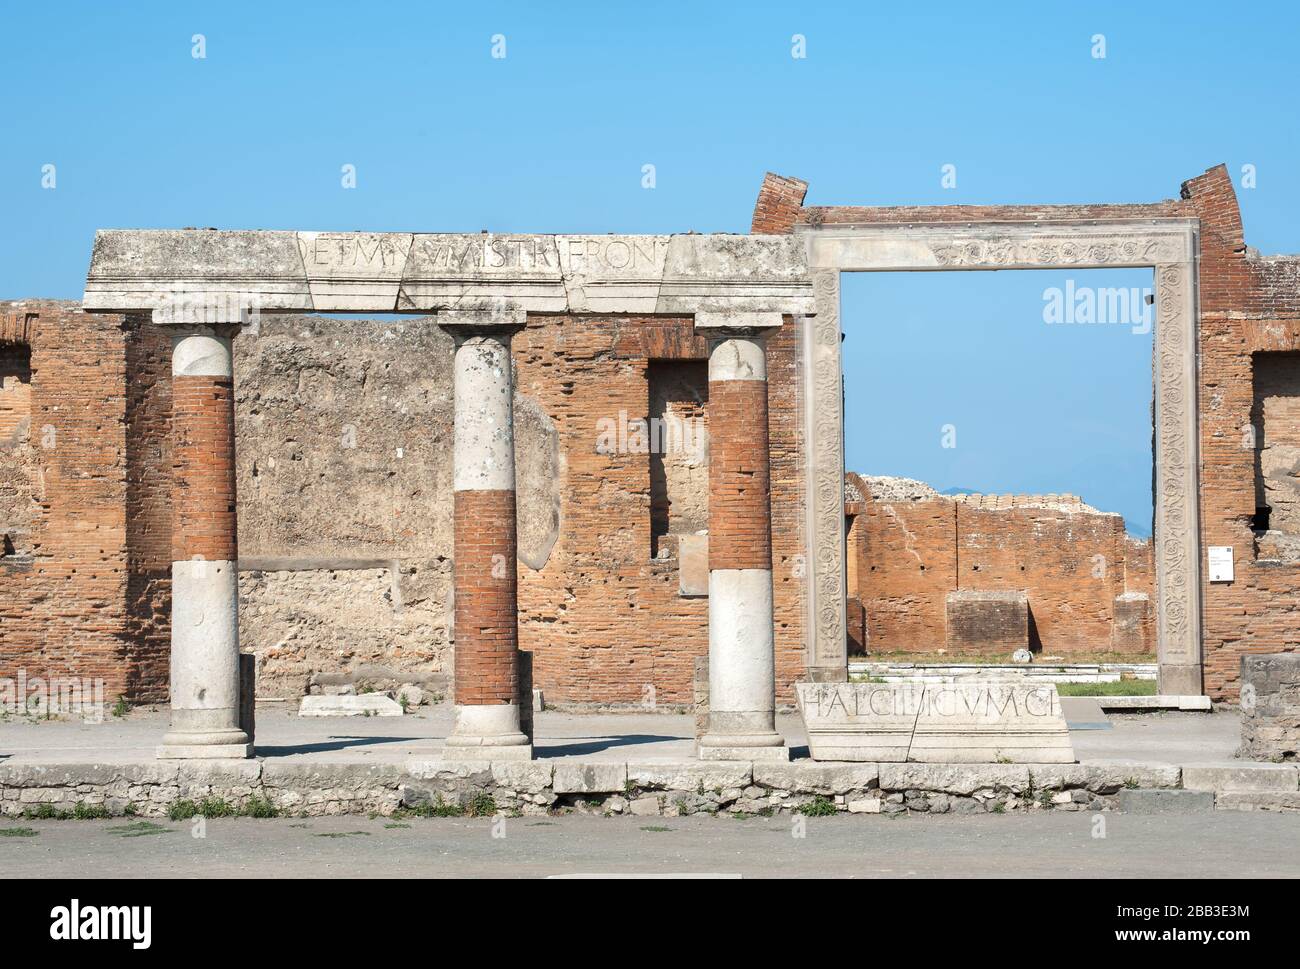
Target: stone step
[(1164, 801), (1258, 801), (1242, 777)]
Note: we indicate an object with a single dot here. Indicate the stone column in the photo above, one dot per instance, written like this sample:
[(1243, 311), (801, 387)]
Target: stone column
[(742, 663), (205, 571), (487, 685)]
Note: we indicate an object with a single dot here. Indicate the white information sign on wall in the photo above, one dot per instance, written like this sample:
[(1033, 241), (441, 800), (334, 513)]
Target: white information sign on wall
[(1221, 563)]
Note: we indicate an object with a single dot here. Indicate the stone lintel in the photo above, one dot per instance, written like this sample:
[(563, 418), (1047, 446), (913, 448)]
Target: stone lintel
[(182, 274)]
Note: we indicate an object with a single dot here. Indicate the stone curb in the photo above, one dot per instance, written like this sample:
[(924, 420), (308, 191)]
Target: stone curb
[(669, 788)]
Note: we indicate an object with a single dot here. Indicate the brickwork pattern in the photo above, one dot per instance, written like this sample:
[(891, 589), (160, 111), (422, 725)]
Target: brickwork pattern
[(486, 630), (740, 520), (777, 208), (203, 423), (63, 607), (1249, 305), (603, 619), (1072, 564)]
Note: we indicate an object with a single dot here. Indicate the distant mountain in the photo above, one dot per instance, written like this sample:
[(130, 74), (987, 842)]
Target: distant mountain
[(959, 491)]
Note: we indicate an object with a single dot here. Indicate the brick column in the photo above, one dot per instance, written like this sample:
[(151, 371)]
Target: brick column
[(205, 573), (486, 635), (742, 662)]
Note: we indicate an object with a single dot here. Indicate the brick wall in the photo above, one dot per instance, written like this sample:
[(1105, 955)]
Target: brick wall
[(777, 208), (913, 547), (63, 608), (1249, 305), (604, 619)]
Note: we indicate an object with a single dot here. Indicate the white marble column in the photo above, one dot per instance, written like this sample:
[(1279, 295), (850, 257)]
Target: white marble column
[(205, 569), (487, 683), (742, 665)]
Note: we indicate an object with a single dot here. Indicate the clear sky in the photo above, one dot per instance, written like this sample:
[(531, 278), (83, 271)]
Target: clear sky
[(554, 136)]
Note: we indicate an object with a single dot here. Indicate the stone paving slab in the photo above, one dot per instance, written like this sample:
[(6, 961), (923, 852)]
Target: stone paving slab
[(1178, 738)]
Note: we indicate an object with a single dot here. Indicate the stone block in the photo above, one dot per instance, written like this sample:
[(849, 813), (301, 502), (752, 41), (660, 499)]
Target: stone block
[(1241, 777), (987, 622), (693, 566), (859, 721), (1257, 801), (963, 779), (689, 777), (977, 719), (1105, 777), (531, 777), (472, 771), (802, 777), (309, 776), (1270, 707), (364, 705), (1164, 801), (980, 720), (231, 773), (644, 807), (868, 805), (590, 778)]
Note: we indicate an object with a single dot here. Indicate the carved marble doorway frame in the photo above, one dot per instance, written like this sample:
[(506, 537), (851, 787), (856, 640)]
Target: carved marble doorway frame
[(1167, 246)]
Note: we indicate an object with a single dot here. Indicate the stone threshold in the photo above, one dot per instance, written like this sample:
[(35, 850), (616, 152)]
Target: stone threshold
[(1152, 704), (1047, 672), (658, 789)]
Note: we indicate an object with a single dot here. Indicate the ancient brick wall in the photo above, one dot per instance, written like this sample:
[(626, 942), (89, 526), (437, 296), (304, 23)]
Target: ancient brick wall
[(148, 509), (63, 598), (1250, 307), (603, 617), (343, 471), (914, 546)]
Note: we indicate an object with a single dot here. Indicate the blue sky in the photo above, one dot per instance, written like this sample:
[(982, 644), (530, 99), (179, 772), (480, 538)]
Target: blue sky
[(553, 138)]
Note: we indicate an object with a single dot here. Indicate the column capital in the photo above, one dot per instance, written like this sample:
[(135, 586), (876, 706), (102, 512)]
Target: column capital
[(725, 325), (503, 318), (203, 351)]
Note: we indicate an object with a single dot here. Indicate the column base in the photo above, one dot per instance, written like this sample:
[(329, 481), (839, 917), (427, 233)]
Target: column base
[(764, 754), (204, 752), (488, 731)]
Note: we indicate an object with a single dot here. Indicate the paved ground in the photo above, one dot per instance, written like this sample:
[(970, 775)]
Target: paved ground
[(1177, 738), (1219, 844)]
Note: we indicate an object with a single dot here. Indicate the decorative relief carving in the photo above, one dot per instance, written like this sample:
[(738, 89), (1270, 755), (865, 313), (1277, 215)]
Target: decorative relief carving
[(825, 456), (1060, 251), (1177, 539)]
